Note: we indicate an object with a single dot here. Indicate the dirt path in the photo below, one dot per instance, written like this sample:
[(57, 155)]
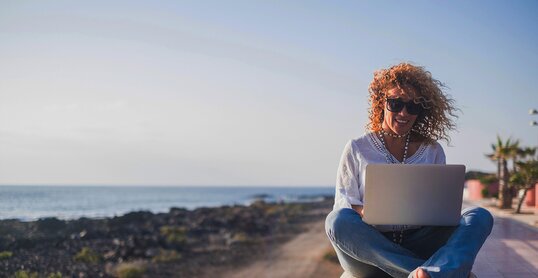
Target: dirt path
[(300, 257)]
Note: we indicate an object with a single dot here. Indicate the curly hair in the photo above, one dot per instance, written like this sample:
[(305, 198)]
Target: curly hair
[(435, 120)]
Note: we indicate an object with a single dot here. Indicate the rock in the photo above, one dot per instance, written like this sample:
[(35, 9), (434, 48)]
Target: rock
[(48, 225), (110, 255), (151, 252)]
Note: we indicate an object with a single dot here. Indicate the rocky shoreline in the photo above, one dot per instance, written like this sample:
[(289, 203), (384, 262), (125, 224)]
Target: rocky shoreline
[(179, 243)]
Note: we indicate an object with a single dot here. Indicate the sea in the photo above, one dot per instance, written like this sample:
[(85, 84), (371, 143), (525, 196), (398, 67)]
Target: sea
[(28, 203)]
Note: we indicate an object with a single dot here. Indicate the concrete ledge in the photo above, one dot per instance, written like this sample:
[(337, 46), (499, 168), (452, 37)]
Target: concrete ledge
[(528, 217)]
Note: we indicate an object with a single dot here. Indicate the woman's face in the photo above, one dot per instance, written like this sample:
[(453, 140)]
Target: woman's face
[(398, 122)]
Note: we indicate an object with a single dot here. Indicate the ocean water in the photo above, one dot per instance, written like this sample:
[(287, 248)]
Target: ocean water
[(71, 202)]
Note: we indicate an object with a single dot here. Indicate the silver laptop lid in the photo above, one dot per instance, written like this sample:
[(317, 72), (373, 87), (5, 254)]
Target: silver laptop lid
[(413, 194)]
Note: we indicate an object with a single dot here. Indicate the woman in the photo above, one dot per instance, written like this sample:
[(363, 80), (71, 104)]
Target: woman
[(409, 113)]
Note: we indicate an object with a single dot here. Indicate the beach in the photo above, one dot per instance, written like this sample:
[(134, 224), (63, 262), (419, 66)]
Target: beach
[(262, 239)]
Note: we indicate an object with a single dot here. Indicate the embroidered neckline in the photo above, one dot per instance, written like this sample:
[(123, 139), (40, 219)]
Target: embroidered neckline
[(379, 146)]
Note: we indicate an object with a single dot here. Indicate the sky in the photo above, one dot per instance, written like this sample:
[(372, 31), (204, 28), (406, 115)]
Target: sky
[(243, 92)]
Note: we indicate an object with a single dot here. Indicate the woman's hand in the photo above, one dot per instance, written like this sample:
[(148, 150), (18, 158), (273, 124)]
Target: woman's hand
[(359, 210)]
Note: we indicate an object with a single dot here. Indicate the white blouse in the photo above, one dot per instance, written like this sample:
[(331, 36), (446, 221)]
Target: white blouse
[(369, 149)]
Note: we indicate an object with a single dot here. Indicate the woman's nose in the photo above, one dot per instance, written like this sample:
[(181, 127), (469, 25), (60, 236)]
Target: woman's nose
[(404, 111)]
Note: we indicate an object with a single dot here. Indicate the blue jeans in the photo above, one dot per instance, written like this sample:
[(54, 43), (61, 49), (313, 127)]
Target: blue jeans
[(441, 251)]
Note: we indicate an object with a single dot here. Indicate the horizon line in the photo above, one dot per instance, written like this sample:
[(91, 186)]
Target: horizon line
[(175, 185)]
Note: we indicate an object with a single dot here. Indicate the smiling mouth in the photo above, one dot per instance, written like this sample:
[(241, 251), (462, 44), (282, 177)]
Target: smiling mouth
[(401, 121)]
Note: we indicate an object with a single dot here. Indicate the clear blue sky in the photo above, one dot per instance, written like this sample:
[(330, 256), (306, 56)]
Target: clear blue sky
[(243, 92)]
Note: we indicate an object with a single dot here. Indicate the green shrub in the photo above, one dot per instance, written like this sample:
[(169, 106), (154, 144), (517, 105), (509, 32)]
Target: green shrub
[(130, 270), (87, 255), (24, 274), (488, 179), (55, 275), (174, 235), (167, 256), (475, 175), (274, 210), (4, 255), (485, 193), (294, 209)]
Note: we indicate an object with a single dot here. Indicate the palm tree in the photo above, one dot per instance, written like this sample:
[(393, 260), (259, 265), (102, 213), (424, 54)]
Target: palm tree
[(502, 152), (525, 178), (524, 153)]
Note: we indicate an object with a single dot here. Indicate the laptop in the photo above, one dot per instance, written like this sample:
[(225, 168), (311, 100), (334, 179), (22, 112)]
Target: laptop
[(419, 194)]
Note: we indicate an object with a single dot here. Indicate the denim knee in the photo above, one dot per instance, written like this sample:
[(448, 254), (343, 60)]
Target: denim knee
[(479, 215), (338, 219)]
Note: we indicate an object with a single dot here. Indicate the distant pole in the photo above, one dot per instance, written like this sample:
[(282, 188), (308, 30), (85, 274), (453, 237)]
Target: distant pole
[(533, 112)]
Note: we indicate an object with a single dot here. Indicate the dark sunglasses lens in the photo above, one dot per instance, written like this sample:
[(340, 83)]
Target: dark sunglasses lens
[(413, 108), (395, 105)]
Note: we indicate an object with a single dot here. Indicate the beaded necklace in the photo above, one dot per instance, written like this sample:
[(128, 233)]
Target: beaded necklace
[(390, 160), (388, 156), (393, 135)]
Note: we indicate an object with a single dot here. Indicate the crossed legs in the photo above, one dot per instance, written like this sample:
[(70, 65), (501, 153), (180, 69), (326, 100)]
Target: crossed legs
[(439, 251)]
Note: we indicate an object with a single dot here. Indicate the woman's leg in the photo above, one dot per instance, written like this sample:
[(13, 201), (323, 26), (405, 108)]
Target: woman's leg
[(452, 250), (361, 243), (359, 269)]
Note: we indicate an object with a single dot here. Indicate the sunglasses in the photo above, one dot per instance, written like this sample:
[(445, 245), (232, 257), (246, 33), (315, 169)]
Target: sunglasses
[(397, 104)]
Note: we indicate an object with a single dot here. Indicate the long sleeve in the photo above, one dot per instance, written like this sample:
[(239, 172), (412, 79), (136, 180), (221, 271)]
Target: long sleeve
[(347, 180), (440, 157)]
